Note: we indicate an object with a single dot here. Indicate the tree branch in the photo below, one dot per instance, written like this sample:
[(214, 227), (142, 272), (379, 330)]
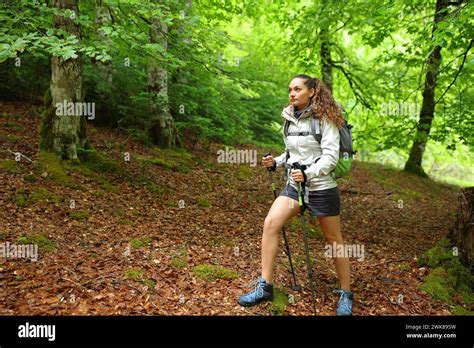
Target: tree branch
[(457, 73)]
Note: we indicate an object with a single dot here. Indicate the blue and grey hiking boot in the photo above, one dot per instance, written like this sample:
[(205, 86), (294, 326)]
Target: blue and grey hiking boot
[(344, 306), (261, 292)]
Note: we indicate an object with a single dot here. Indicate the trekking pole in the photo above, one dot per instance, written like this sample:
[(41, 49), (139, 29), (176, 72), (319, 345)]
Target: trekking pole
[(306, 244), (294, 284)]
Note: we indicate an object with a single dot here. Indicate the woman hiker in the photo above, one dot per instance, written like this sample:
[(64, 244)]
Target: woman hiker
[(309, 97)]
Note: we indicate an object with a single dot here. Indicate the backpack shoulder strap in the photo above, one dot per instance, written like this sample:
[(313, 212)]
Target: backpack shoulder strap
[(285, 128), (315, 131)]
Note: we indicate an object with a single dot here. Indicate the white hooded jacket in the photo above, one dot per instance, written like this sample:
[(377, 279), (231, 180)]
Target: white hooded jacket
[(306, 150)]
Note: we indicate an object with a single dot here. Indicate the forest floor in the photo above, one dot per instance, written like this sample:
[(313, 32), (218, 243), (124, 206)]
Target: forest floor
[(176, 233)]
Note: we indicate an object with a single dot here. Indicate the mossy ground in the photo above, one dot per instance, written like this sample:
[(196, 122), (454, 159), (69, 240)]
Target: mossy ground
[(40, 239), (449, 281), (210, 273), (140, 242), (280, 301)]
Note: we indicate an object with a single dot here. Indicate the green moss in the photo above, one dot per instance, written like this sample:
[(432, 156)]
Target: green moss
[(126, 222), (23, 197), (437, 286), (299, 261), (56, 173), (179, 262), (448, 278), (403, 267), (203, 202), (13, 138), (100, 163), (10, 166), (134, 274), (405, 195), (30, 178), (140, 242), (79, 215), (243, 172), (210, 273), (169, 159), (294, 224), (106, 185), (13, 125), (41, 240), (21, 200), (42, 194), (279, 302), (437, 255), (219, 241), (150, 283), (119, 212), (98, 194), (314, 232), (138, 275), (150, 185), (458, 310)]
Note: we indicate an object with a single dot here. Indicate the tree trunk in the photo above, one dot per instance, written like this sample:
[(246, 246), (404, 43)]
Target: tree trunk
[(104, 70), (326, 62), (163, 130), (325, 55), (428, 106), (62, 133), (461, 234)]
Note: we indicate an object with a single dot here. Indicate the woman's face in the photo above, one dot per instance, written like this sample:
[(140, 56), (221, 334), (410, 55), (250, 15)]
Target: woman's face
[(299, 93)]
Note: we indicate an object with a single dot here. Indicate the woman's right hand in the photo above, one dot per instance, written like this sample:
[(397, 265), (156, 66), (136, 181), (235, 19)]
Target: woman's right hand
[(268, 161)]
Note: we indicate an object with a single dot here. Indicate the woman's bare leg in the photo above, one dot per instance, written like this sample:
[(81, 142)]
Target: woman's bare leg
[(331, 227), (282, 210)]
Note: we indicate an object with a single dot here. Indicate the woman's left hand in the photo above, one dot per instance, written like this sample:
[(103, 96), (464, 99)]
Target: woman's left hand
[(297, 175)]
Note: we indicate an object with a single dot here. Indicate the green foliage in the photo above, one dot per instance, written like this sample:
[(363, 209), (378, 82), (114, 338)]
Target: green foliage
[(210, 273), (228, 68)]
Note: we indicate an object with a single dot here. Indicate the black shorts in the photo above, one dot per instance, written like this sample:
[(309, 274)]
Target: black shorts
[(321, 202)]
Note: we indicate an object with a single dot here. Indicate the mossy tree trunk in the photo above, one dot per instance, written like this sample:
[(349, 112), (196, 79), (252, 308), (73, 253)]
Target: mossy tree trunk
[(64, 134), (414, 162), (163, 130), (325, 54), (461, 234)]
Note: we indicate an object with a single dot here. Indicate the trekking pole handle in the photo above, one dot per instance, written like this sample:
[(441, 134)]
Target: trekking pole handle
[(268, 154), (270, 170), (296, 165)]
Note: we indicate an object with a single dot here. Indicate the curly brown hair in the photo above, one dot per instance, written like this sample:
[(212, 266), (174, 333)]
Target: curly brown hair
[(322, 102)]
